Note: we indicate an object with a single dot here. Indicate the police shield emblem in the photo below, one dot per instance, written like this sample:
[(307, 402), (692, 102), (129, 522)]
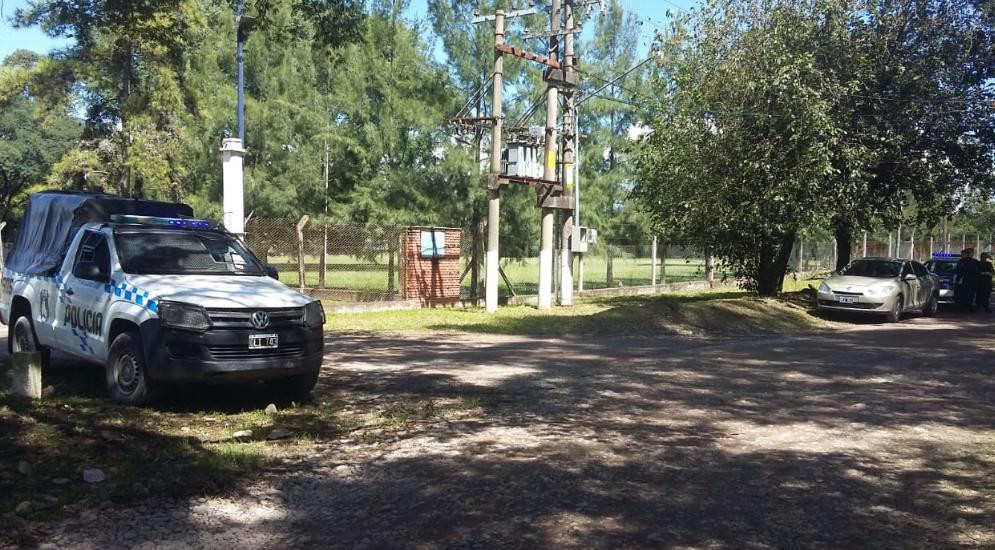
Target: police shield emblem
[(44, 308)]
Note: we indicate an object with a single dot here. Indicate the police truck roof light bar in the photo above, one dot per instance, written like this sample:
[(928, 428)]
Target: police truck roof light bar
[(945, 256), (171, 222)]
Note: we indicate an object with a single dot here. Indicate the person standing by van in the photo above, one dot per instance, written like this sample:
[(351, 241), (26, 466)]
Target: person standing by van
[(966, 280), (983, 297)]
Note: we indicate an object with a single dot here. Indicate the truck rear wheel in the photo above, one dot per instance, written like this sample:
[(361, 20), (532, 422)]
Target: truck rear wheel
[(127, 377), (294, 388)]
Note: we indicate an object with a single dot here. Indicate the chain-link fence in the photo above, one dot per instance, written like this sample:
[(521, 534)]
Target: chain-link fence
[(359, 263), (352, 263)]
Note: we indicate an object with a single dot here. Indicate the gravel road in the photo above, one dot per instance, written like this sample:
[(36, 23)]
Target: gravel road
[(877, 436)]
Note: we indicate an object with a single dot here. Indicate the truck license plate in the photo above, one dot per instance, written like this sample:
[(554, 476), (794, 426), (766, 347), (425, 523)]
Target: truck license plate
[(264, 341), (847, 299)]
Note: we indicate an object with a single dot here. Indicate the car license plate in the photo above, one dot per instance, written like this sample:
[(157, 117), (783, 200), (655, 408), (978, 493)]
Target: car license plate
[(847, 299), (264, 341)]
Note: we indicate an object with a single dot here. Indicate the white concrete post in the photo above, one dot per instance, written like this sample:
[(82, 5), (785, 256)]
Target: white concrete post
[(233, 194), (580, 273), (26, 376), (653, 260), (567, 262)]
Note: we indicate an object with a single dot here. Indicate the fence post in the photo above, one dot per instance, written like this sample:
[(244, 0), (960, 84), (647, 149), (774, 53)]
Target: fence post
[(324, 255), (663, 265), (653, 260), (580, 272), (2, 260), (300, 249), (801, 256), (609, 267)]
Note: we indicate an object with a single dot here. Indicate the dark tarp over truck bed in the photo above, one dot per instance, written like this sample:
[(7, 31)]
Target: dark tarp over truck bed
[(52, 218)]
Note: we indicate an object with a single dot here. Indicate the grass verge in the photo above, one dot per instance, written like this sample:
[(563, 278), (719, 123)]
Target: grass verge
[(185, 447), (718, 311)]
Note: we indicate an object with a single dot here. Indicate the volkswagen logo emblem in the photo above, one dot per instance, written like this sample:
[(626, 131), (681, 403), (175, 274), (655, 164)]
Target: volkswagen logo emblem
[(260, 320)]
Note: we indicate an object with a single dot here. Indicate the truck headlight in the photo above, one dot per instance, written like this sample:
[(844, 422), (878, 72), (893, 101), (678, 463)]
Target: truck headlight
[(183, 316), (824, 287), (314, 315)]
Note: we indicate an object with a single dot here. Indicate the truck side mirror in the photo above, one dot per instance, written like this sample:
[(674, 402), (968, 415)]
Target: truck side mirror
[(272, 272), (90, 271)]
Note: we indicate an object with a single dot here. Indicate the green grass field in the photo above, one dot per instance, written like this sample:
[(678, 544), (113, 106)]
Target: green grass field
[(350, 273), (719, 311)]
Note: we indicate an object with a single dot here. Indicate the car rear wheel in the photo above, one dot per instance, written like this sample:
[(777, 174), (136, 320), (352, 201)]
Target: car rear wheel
[(931, 306), (895, 315)]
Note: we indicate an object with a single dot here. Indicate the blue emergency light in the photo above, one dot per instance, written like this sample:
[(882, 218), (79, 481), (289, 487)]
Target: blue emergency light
[(154, 220), (946, 256)]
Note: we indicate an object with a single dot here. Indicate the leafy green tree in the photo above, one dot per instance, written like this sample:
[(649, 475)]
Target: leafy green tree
[(741, 161), (127, 61), (917, 117), (31, 141), (606, 119)]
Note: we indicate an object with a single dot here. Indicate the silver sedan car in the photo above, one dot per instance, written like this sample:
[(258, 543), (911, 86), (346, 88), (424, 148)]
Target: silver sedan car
[(882, 286)]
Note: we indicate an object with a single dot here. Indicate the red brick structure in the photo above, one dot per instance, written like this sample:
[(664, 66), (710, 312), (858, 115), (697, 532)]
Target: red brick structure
[(430, 268)]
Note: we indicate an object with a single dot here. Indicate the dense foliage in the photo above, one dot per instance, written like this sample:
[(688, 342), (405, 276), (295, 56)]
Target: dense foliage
[(780, 115)]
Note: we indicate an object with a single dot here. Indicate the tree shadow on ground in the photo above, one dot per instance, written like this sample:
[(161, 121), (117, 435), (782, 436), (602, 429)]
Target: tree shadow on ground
[(871, 438)]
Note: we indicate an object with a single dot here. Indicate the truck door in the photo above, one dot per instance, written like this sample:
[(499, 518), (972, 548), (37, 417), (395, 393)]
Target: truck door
[(84, 300)]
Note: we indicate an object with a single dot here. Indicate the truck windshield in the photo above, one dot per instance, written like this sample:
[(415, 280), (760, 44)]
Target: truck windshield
[(941, 268), (183, 253)]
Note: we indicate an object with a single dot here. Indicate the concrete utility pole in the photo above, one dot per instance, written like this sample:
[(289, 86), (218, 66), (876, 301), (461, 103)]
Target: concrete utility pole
[(865, 244), (549, 169), (570, 124), (494, 195)]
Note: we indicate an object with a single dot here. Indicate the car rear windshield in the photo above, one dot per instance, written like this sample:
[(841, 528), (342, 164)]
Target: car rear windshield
[(183, 252), (882, 269), (941, 268)]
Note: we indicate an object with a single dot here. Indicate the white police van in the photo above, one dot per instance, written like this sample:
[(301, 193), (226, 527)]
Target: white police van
[(156, 296)]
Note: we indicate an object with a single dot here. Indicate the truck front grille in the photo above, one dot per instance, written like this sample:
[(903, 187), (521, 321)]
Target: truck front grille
[(242, 318)]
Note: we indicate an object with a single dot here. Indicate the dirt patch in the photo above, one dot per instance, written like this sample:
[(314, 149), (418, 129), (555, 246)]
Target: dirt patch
[(877, 437)]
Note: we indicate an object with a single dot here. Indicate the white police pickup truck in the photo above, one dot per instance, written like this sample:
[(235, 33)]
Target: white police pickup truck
[(156, 296)]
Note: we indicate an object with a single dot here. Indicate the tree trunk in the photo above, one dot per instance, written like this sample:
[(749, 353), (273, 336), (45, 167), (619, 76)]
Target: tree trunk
[(844, 244), (124, 180), (773, 264)]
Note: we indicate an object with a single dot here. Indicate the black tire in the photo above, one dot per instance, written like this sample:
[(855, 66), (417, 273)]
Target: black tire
[(22, 337), (293, 388), (128, 382), (895, 315), (932, 306)]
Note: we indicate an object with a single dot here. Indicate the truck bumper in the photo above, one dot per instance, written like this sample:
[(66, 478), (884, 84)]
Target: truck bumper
[(224, 355)]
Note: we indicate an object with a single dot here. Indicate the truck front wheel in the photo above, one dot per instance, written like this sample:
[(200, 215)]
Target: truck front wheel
[(127, 377)]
